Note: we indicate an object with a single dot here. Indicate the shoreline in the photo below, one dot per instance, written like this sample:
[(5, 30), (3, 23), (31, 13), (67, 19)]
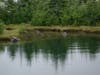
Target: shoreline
[(15, 30)]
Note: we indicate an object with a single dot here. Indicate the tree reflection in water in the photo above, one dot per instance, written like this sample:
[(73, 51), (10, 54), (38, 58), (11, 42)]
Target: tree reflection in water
[(55, 49)]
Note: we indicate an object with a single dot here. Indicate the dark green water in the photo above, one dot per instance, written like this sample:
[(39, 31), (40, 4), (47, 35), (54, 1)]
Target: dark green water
[(71, 55)]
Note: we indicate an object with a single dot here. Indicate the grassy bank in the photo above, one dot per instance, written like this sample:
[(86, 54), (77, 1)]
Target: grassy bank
[(14, 30)]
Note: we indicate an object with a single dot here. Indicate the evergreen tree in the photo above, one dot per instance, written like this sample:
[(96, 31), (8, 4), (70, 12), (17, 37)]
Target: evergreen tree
[(50, 12)]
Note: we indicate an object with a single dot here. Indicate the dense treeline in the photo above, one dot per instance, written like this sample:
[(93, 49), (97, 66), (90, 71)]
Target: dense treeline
[(50, 12)]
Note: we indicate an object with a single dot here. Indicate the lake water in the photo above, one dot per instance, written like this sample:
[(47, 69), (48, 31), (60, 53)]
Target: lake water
[(71, 55)]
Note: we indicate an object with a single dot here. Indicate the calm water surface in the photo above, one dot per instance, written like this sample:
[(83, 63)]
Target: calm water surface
[(71, 55)]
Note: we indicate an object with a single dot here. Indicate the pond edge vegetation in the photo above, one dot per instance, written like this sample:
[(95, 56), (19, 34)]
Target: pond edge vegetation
[(17, 30)]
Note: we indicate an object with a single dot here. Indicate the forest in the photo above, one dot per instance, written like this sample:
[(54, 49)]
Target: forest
[(50, 12)]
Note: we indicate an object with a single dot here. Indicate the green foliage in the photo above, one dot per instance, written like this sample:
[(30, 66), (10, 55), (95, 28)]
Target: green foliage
[(51, 12), (22, 30), (65, 12), (1, 27)]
